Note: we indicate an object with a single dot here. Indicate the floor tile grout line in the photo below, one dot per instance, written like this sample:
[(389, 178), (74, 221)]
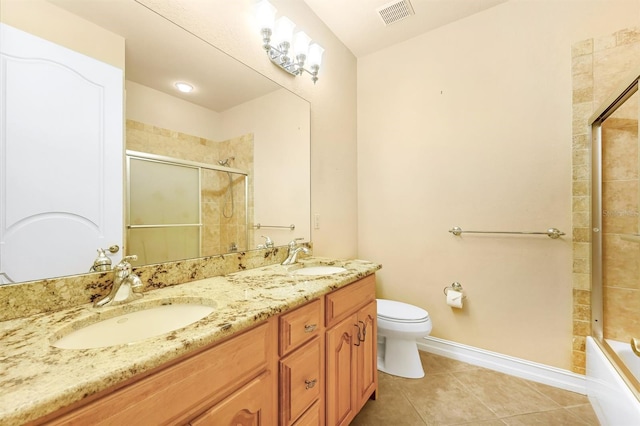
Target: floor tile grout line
[(404, 395), (470, 391), (577, 418)]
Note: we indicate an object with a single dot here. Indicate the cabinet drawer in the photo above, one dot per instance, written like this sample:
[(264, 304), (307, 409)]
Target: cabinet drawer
[(311, 417), (299, 381), (343, 302), (299, 326)]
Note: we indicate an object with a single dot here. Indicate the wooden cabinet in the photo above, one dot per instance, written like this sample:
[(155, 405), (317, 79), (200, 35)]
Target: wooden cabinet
[(351, 350), (347, 338), (312, 366), (179, 393)]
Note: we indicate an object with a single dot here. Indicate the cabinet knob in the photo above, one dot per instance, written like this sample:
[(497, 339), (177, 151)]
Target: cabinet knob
[(310, 328), (310, 383)]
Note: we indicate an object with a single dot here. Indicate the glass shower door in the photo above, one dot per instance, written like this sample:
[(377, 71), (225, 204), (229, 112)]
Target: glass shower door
[(616, 229), (164, 211)]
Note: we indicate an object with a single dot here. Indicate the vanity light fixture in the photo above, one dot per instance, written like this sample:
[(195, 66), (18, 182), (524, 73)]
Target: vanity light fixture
[(184, 87), (290, 52)]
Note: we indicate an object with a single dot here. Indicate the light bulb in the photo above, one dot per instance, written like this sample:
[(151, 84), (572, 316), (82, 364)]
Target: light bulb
[(184, 87), (265, 14), (315, 55), (283, 30), (301, 43)]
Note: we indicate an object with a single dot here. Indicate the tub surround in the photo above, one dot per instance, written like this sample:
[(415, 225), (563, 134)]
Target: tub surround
[(38, 378), (599, 65)]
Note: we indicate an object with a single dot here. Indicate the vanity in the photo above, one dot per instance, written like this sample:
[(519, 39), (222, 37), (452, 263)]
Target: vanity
[(280, 347)]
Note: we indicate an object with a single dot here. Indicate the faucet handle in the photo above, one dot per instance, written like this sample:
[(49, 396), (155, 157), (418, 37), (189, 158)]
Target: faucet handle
[(268, 243), (293, 243), (125, 262)]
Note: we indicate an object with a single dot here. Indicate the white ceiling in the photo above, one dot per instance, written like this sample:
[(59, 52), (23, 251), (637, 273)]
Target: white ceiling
[(359, 26), (159, 53)]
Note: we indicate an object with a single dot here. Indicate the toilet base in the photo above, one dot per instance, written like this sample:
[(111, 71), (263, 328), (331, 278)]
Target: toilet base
[(401, 358)]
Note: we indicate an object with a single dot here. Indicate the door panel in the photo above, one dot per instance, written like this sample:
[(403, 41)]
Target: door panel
[(59, 206)]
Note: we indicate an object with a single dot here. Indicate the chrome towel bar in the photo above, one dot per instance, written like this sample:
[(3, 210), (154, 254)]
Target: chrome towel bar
[(551, 232), (258, 226)]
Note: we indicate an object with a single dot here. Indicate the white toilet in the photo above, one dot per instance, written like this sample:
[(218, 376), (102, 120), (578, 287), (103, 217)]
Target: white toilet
[(399, 325)]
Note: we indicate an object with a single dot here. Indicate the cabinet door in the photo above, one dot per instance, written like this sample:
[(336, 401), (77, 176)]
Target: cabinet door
[(249, 406), (341, 345), (367, 368)]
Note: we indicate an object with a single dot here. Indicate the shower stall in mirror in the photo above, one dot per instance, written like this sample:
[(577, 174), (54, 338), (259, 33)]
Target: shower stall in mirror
[(616, 230), (179, 209)]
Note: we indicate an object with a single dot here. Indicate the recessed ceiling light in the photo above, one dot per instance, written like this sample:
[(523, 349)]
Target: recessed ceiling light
[(184, 87)]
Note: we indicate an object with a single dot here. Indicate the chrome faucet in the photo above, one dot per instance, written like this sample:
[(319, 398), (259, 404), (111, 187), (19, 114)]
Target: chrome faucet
[(268, 243), (126, 286), (294, 249)]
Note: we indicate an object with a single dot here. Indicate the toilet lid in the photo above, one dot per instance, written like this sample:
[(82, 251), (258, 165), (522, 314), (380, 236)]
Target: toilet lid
[(392, 310)]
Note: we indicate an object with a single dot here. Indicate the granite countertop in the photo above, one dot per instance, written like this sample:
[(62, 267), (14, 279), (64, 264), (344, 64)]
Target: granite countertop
[(37, 378)]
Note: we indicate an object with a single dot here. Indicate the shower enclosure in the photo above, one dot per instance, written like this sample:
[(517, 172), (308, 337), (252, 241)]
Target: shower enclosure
[(615, 255), (179, 209)]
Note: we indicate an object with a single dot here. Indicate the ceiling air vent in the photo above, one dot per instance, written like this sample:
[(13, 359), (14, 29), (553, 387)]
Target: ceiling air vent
[(396, 11)]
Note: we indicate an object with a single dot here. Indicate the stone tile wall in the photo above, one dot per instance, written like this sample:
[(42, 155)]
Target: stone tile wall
[(599, 66)]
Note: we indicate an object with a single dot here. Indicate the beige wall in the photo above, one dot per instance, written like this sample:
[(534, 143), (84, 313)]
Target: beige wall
[(470, 125), (47, 21), (151, 106), (230, 26), (280, 123)]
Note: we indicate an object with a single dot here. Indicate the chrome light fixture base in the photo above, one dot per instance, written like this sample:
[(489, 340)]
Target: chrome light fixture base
[(279, 55)]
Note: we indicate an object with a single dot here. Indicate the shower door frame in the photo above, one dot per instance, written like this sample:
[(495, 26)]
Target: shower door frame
[(629, 87), (129, 154)]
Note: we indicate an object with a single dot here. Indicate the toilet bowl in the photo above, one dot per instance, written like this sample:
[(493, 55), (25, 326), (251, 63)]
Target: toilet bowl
[(399, 325)]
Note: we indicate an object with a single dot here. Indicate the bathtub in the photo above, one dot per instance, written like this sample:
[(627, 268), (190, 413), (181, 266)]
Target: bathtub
[(610, 396)]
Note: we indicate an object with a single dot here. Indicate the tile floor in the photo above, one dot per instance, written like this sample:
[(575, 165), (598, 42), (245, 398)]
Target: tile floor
[(456, 393)]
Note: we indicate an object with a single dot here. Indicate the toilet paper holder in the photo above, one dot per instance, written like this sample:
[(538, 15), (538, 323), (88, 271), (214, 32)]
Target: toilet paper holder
[(456, 286)]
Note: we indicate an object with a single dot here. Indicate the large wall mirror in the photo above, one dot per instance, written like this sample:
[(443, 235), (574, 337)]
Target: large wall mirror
[(240, 141)]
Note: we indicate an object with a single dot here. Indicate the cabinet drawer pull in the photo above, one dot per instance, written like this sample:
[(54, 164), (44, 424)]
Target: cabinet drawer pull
[(310, 328), (310, 383)]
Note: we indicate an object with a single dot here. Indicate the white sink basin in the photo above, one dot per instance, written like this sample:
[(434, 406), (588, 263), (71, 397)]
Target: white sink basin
[(134, 326), (319, 270)]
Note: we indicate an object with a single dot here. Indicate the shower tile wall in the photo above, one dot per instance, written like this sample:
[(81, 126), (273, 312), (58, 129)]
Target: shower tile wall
[(219, 232), (599, 65), (621, 259)]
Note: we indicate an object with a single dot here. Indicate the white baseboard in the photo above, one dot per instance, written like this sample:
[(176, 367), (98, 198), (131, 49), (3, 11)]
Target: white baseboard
[(518, 367)]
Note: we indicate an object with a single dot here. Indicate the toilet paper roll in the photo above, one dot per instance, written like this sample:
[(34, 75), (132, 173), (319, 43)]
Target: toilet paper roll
[(454, 298)]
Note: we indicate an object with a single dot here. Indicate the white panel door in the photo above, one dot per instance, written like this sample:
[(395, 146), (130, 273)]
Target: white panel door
[(61, 158)]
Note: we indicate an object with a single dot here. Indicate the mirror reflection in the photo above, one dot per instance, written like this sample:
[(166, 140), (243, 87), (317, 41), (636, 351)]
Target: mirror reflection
[(237, 138)]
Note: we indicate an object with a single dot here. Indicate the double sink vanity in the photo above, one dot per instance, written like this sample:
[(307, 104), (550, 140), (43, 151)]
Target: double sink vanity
[(274, 344)]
